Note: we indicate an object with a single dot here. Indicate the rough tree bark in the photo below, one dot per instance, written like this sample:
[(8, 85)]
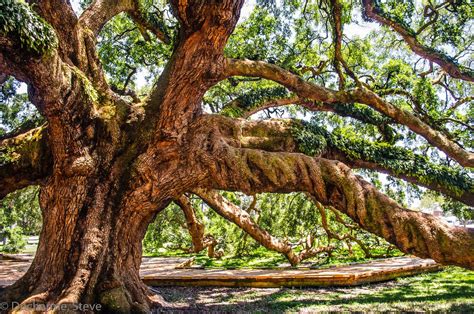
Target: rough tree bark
[(236, 167), (200, 240), (106, 167), (106, 184)]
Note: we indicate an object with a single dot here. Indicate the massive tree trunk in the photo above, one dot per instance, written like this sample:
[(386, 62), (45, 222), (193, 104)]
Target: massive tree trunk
[(107, 166), (89, 252), (113, 169)]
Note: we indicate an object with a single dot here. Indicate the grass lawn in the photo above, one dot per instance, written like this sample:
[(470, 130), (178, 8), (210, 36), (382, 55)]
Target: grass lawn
[(263, 258), (451, 290)]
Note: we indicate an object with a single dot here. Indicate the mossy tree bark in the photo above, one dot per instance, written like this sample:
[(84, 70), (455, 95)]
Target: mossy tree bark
[(107, 166)]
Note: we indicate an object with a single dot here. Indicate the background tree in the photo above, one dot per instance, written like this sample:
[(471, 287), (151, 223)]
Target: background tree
[(20, 217), (110, 158)]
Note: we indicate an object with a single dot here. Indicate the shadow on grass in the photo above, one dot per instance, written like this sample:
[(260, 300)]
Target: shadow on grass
[(450, 290)]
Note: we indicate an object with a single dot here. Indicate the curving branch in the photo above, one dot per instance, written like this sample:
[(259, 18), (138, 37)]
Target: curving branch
[(241, 218), (360, 94), (196, 229), (333, 184), (102, 11), (449, 65), (242, 108), (280, 135), (24, 160)]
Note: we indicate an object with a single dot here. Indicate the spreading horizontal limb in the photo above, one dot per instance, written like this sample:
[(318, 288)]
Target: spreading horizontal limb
[(24, 160), (332, 183), (360, 94)]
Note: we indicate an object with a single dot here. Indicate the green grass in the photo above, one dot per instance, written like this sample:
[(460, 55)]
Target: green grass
[(451, 290), (263, 258)]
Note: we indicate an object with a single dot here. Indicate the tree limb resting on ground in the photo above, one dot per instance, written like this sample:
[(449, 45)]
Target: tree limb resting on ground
[(241, 218)]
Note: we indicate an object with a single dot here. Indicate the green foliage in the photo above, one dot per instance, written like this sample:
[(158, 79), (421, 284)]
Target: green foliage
[(291, 217), (253, 38), (19, 21), (395, 74), (397, 159), (254, 99), (426, 96), (362, 113), (20, 216), (15, 241), (168, 231), (126, 53), (458, 209), (310, 142), (16, 112)]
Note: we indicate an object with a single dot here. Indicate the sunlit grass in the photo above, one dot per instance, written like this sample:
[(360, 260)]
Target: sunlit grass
[(263, 258), (450, 290)]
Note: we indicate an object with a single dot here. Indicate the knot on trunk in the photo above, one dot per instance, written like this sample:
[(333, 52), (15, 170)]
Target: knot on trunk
[(81, 166)]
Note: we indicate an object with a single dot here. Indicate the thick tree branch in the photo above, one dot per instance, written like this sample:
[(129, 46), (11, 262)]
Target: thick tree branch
[(196, 65), (64, 24), (279, 135), (373, 11), (361, 95), (24, 160), (46, 74), (241, 218), (333, 184)]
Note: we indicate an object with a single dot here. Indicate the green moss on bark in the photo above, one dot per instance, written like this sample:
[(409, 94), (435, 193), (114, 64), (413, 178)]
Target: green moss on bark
[(20, 22), (314, 140)]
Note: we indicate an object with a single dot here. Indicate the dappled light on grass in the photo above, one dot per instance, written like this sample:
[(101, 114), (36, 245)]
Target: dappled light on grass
[(448, 290)]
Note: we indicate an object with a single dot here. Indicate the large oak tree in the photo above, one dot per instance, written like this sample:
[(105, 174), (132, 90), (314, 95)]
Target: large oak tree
[(108, 160)]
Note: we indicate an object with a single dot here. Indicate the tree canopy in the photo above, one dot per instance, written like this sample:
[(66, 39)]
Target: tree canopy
[(134, 104)]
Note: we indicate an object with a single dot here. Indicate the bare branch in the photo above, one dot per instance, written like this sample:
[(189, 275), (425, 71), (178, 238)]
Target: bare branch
[(409, 36)]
